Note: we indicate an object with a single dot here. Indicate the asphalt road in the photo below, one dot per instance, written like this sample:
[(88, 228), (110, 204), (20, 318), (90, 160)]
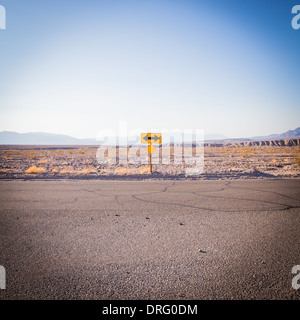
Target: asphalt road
[(150, 239)]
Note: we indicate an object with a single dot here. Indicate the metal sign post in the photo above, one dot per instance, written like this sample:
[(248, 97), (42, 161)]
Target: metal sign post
[(151, 138)]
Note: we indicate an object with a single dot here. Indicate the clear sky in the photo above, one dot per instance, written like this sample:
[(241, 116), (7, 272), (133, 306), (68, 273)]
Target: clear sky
[(73, 67)]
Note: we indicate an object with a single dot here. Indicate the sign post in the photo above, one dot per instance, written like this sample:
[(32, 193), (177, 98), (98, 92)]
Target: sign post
[(151, 138)]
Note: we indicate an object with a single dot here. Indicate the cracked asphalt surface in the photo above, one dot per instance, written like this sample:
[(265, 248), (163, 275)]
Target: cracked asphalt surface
[(154, 239)]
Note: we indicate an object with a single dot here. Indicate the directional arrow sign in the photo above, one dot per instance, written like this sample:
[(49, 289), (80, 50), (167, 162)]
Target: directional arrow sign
[(151, 138)]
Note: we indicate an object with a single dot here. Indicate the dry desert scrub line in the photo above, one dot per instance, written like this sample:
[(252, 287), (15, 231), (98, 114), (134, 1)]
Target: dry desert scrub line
[(35, 169), (144, 170), (4, 170), (82, 151), (13, 153), (67, 170), (87, 171), (226, 151), (43, 161), (297, 158), (246, 151), (30, 154)]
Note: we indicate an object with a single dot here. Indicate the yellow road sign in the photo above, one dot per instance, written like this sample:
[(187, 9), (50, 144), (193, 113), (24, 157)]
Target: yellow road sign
[(151, 138), (151, 148)]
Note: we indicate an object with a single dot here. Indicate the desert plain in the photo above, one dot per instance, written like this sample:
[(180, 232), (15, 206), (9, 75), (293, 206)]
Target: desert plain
[(270, 159)]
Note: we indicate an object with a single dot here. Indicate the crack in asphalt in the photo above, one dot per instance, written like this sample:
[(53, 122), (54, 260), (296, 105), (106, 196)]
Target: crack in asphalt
[(243, 199), (203, 193), (115, 195), (166, 188), (227, 184), (117, 201), (68, 202), (170, 203), (266, 191), (287, 207)]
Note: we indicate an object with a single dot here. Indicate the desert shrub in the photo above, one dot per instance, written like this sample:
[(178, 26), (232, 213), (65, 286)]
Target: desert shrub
[(226, 151), (14, 153), (87, 171), (246, 151), (5, 170), (43, 161), (60, 153), (144, 169), (67, 170), (30, 154), (297, 158), (35, 169)]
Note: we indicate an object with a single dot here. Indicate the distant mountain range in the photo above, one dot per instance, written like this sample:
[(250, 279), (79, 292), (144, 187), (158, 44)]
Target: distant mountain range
[(40, 138), (285, 135)]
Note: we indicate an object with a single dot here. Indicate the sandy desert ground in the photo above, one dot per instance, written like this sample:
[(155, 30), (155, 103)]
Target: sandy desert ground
[(233, 161)]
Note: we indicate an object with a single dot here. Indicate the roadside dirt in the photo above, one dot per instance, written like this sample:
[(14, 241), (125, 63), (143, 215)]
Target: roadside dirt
[(232, 161)]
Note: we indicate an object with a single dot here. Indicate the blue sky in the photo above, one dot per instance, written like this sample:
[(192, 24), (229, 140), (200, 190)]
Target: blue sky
[(74, 67)]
